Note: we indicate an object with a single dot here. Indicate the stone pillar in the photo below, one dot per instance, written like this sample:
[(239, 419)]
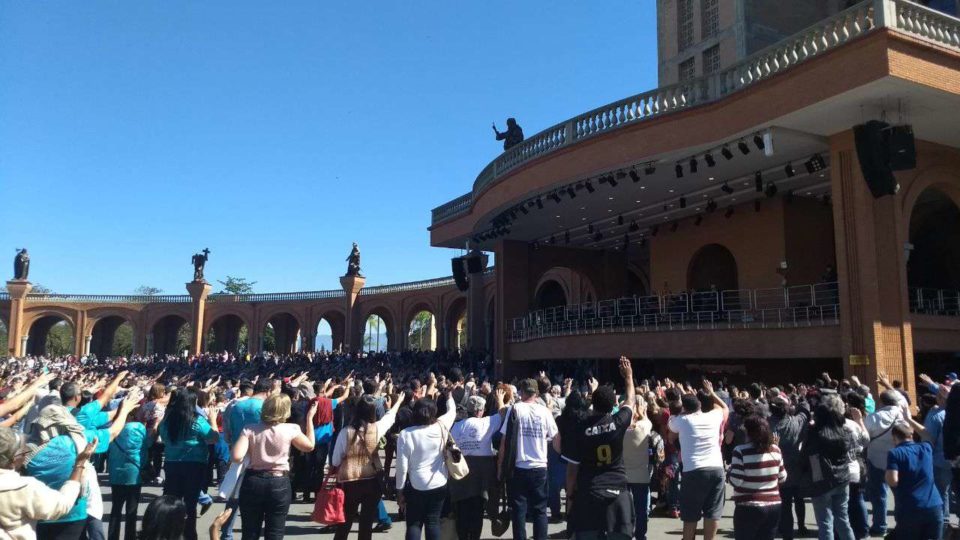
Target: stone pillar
[(476, 306), (876, 334), (198, 291), (351, 285), (513, 294), (81, 340), (17, 334)]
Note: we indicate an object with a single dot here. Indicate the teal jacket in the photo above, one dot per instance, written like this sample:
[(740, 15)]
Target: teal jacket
[(128, 454)]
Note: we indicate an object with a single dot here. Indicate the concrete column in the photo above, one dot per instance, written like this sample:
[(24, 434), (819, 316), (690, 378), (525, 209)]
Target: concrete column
[(351, 286), (513, 293), (476, 306), (198, 291), (448, 344), (86, 344), (874, 313), (16, 333), (81, 340)]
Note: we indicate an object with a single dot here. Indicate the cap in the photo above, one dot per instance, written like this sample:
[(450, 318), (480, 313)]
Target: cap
[(529, 386), (952, 376)]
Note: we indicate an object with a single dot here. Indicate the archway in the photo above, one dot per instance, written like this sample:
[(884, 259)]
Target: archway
[(935, 234), (376, 334), (4, 338), (461, 335), (50, 335), (111, 336), (712, 267), (422, 335), (281, 334), (550, 295), (227, 333), (330, 333), (455, 334), (170, 335)]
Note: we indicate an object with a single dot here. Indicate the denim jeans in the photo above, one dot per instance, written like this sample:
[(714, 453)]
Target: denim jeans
[(755, 522), (790, 501), (264, 503), (831, 511), (423, 512), (123, 497), (528, 495), (360, 504), (470, 518), (184, 480), (877, 492), (857, 510), (920, 524), (641, 509), (557, 470), (226, 533), (943, 478)]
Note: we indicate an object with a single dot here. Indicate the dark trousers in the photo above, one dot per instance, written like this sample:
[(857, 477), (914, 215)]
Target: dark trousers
[(641, 509), (920, 524), (791, 500), (93, 530), (184, 480), (755, 522), (124, 496), (264, 503), (470, 518), (360, 501), (857, 511), (66, 530), (528, 495), (423, 512)]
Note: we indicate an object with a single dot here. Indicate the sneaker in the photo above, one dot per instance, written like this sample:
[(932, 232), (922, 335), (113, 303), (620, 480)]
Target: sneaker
[(204, 508), (382, 527)]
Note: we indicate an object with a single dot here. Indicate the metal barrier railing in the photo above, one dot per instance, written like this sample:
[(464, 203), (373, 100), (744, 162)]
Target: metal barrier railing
[(928, 301)]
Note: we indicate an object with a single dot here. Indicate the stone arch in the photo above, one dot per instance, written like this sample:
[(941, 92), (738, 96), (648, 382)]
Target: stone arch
[(227, 332), (550, 294), (934, 232), (337, 321), (420, 326), (43, 338), (942, 179), (713, 266), (454, 332), (560, 276), (638, 281), (387, 327), (285, 326), (577, 286), (169, 334), (113, 334)]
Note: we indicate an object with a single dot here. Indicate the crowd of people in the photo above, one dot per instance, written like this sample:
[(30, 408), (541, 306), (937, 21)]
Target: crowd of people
[(455, 446)]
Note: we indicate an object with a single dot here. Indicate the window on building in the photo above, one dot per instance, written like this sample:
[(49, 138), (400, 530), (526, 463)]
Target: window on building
[(711, 60), (709, 18), (688, 70), (684, 24)]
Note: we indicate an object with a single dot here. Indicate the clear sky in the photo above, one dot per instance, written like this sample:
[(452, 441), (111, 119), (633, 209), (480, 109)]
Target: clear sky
[(133, 134)]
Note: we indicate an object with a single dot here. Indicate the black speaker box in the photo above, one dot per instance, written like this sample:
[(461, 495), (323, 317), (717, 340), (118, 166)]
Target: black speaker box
[(873, 153), (902, 148), (459, 276), (474, 264)]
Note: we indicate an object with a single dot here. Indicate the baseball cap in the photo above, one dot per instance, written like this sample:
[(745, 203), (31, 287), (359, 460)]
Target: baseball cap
[(529, 386), (951, 377)]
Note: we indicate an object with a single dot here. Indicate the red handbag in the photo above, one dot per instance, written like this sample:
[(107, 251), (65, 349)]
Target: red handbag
[(328, 508)]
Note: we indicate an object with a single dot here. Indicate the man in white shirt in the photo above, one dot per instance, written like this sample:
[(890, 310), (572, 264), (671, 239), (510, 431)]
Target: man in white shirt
[(701, 491), (530, 426)]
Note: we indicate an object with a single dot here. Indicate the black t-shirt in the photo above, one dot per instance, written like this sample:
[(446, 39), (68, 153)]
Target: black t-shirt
[(598, 449)]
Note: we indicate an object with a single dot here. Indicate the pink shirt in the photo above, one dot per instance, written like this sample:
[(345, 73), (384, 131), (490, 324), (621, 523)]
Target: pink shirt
[(270, 446)]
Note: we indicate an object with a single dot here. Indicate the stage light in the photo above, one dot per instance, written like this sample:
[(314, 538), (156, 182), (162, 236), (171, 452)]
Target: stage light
[(771, 190), (572, 192), (566, 237), (726, 153), (711, 206), (698, 221), (789, 170), (634, 227), (475, 240), (756, 205), (620, 219), (539, 203), (650, 169), (683, 202), (634, 176), (679, 170), (815, 164), (621, 175), (728, 213), (555, 197), (709, 159), (612, 181), (758, 181), (744, 148), (758, 140), (675, 226), (693, 165), (726, 189), (666, 208), (536, 246), (590, 188), (654, 230), (523, 208)]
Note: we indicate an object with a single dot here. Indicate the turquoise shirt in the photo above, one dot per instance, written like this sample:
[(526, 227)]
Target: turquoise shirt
[(91, 416), (53, 465), (242, 414), (192, 446), (128, 453), (324, 432)]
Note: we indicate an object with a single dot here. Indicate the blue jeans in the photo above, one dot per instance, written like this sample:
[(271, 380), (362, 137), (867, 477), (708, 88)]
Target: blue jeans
[(943, 478), (205, 498), (185, 480), (226, 532), (857, 509), (528, 494), (641, 509), (423, 512), (877, 492), (831, 511), (383, 517), (920, 524), (557, 479)]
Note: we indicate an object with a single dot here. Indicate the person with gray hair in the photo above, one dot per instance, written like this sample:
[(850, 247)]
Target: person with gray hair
[(879, 425), (827, 449), (24, 500)]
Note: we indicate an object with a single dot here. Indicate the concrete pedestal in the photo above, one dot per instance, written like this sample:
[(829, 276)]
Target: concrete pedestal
[(16, 334), (351, 286), (198, 291)]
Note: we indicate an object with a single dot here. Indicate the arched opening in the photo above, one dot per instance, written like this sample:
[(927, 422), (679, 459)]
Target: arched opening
[(461, 343), (376, 334), (281, 334), (228, 333), (324, 339), (51, 335), (636, 285), (170, 335), (423, 332), (330, 332), (935, 234), (4, 338), (550, 295), (111, 336), (455, 334), (713, 267)]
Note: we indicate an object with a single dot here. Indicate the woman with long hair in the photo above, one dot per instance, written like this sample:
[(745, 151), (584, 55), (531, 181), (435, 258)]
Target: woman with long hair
[(163, 519), (641, 446), (357, 462), (187, 435), (756, 472), (265, 493)]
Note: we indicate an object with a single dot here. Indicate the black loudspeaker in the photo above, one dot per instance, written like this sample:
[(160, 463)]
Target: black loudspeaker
[(474, 264), (873, 153), (902, 148), (459, 276)]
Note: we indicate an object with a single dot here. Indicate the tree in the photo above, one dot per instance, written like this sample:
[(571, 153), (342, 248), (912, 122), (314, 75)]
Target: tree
[(237, 285), (60, 340), (421, 330), (123, 340), (40, 289), (147, 290)]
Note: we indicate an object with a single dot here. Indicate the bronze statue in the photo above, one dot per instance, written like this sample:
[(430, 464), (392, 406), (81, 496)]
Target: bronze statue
[(512, 136), (199, 260), (21, 265), (353, 262)]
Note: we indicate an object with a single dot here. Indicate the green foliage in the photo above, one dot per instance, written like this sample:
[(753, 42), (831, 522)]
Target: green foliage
[(3, 339), (237, 285), (421, 332), (269, 338), (183, 338), (60, 340), (123, 340), (146, 290), (40, 289), (372, 338)]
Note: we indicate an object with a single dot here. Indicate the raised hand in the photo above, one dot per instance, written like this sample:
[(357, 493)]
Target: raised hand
[(626, 368)]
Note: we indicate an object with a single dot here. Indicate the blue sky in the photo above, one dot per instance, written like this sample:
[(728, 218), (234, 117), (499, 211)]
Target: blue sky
[(133, 134)]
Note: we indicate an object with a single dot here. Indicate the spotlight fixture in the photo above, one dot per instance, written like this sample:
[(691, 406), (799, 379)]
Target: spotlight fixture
[(589, 186), (726, 153), (758, 141), (683, 202), (693, 165), (726, 188), (621, 175), (620, 219), (634, 176), (771, 190), (728, 213), (555, 197), (650, 169), (666, 208), (758, 181), (566, 237), (523, 209), (711, 206), (634, 227), (539, 203), (744, 148), (756, 205), (675, 226), (708, 157), (698, 221), (590, 228), (654, 230), (572, 192), (602, 180), (612, 181), (789, 170), (679, 170), (815, 164)]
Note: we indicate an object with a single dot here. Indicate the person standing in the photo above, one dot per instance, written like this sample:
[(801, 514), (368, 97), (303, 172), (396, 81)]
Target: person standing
[(756, 471), (128, 455), (827, 449), (642, 446), (242, 413), (880, 426), (919, 508)]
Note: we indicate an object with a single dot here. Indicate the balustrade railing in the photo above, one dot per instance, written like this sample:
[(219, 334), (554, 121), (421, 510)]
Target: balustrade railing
[(901, 15), (276, 297), (109, 298), (4, 296)]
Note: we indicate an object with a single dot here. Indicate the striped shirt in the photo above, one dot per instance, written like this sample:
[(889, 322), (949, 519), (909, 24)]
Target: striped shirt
[(756, 475)]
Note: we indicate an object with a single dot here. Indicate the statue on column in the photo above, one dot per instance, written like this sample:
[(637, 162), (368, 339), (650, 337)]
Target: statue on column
[(21, 265), (353, 262), (199, 260)]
